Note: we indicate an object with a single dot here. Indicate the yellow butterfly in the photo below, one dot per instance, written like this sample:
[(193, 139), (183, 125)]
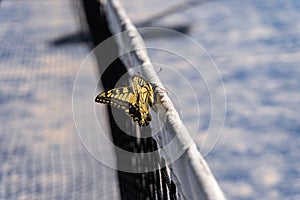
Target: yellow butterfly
[(134, 100)]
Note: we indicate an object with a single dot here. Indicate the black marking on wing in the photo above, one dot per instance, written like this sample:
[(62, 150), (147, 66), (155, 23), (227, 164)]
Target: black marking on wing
[(136, 115), (118, 97)]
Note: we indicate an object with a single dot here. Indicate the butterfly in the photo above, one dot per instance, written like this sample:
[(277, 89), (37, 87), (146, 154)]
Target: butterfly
[(134, 100)]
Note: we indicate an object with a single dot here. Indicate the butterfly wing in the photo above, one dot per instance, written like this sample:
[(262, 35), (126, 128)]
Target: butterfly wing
[(138, 82), (144, 98), (122, 98), (144, 89), (142, 114)]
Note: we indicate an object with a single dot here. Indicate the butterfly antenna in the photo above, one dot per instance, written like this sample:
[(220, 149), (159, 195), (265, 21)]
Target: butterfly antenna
[(160, 69)]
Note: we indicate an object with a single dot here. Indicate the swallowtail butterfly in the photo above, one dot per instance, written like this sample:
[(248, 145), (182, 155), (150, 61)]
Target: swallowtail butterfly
[(134, 100)]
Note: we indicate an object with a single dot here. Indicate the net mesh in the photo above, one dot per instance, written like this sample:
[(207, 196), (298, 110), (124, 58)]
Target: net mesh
[(189, 177), (41, 156), (154, 184)]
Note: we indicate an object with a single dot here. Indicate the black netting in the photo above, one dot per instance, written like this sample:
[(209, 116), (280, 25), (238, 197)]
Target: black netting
[(150, 185)]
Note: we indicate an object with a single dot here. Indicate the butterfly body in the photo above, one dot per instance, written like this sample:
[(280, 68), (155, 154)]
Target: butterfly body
[(134, 100)]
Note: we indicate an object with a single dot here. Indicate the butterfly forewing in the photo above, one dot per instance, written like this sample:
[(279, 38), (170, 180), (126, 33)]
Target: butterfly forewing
[(138, 82), (118, 97)]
